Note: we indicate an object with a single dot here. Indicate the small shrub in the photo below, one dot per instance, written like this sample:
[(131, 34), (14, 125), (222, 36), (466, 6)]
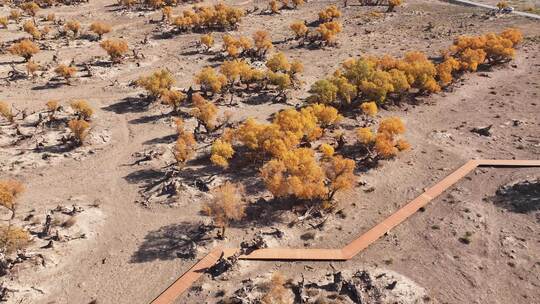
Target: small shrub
[(300, 29), (6, 112), (174, 99), (208, 41), (65, 71), (15, 15), (184, 148), (329, 13), (82, 109), (32, 68), (392, 4), (10, 190), (13, 238), (326, 150), (277, 292), (52, 106), (4, 22), (227, 205), (74, 26), (79, 128), (31, 8), (31, 29), (205, 112), (100, 28), (116, 48), (51, 17), (369, 108), (25, 48), (166, 13)]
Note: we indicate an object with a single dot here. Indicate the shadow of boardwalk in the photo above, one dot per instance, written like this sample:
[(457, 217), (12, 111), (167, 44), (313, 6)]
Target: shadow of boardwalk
[(172, 241)]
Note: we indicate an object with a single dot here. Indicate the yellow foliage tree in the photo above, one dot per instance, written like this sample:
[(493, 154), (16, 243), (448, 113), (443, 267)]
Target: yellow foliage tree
[(296, 174), (210, 80), (82, 109), (300, 29), (6, 112), (174, 99), (369, 108), (66, 71), (100, 28), (205, 112), (392, 4), (25, 48), (31, 29), (156, 84), (79, 128), (184, 148), (221, 152), (115, 48), (10, 190), (13, 238), (227, 205), (263, 43), (74, 26), (329, 13), (208, 41)]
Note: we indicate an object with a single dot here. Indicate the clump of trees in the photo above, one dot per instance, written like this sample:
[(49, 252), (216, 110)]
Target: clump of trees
[(325, 34), (207, 18), (274, 6), (392, 4), (243, 46), (235, 75), (382, 78)]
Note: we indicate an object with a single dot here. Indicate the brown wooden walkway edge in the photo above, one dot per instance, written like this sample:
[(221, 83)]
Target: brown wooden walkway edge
[(363, 241)]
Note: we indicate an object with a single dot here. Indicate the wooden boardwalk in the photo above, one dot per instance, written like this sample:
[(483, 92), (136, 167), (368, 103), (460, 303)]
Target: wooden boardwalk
[(363, 241)]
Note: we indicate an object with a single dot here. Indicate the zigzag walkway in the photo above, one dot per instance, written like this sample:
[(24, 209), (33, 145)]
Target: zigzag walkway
[(363, 241)]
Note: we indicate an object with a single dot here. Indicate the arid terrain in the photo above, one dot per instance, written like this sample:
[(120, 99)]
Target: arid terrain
[(123, 236)]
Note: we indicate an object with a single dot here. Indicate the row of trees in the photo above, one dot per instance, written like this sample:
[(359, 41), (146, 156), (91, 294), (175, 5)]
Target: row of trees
[(217, 17), (237, 74), (243, 46), (275, 6), (392, 4), (78, 124), (379, 78)]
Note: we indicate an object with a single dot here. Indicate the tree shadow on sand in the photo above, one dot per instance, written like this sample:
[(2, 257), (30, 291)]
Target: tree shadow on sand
[(172, 242)]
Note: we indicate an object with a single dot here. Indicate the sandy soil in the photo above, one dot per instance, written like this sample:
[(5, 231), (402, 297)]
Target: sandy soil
[(131, 255)]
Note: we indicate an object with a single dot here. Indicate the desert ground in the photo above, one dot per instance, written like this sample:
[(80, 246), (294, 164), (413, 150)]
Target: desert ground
[(126, 243)]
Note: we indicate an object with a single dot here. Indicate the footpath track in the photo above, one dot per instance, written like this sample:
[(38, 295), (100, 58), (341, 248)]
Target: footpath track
[(185, 281)]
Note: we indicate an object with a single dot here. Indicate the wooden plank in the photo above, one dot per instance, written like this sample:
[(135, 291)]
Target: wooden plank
[(184, 282)]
